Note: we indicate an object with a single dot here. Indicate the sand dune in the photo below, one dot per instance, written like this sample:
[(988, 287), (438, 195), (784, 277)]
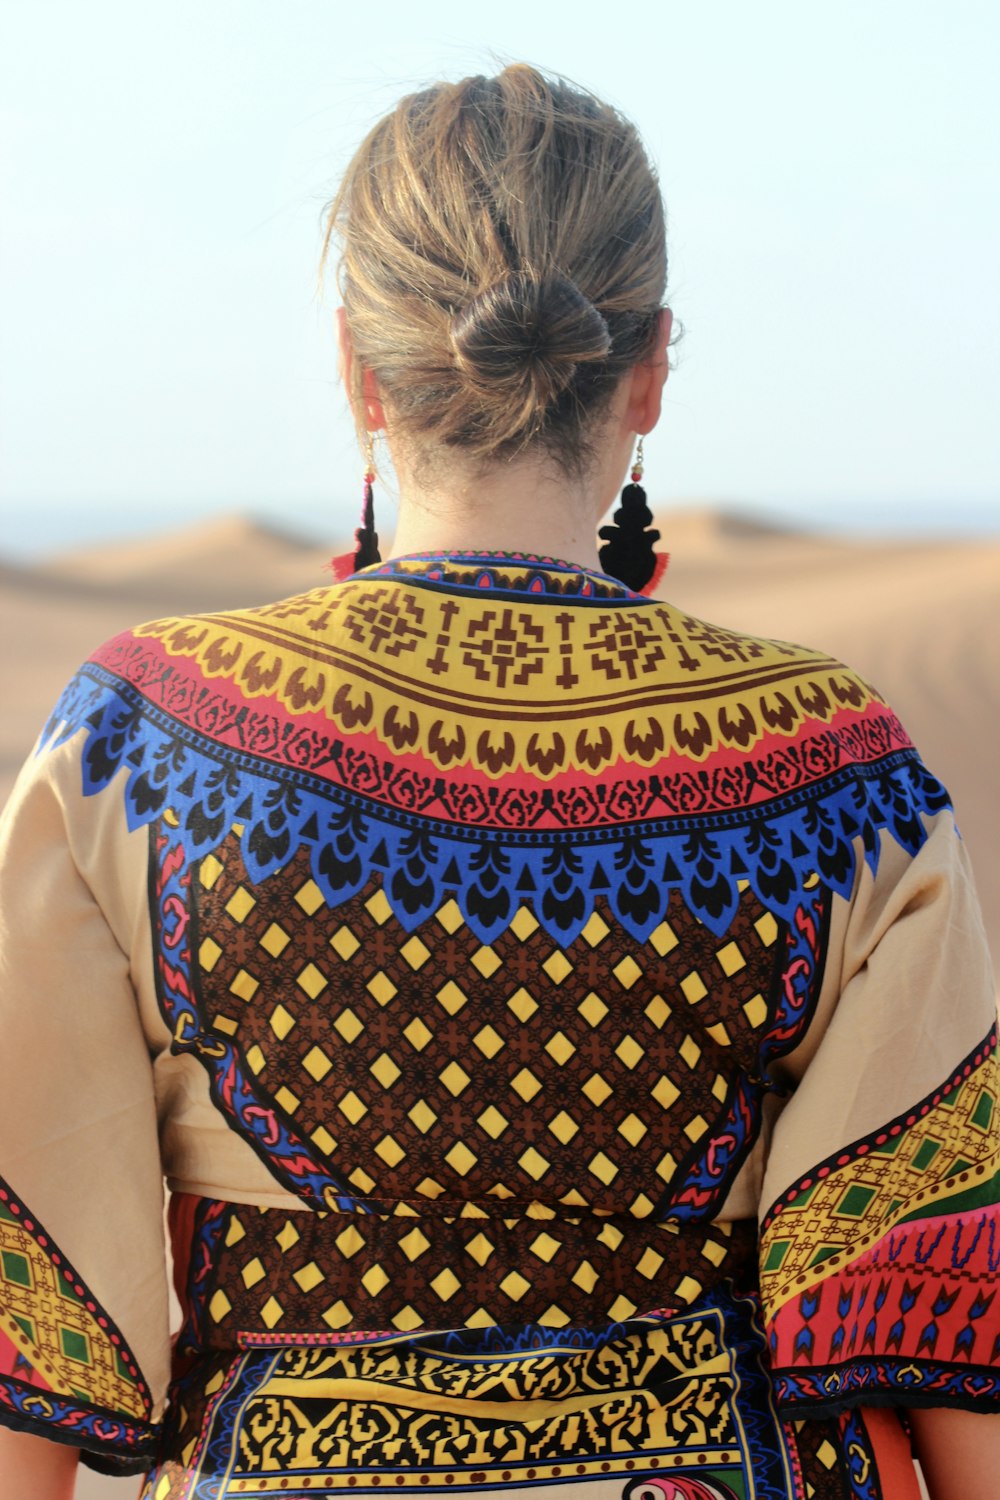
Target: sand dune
[(916, 618)]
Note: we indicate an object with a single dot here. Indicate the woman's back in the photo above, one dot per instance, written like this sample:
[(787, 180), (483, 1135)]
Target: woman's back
[(564, 1025)]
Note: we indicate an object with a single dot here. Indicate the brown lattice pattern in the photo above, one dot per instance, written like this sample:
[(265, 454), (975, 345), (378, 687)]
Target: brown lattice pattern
[(432, 1066), (281, 1273)]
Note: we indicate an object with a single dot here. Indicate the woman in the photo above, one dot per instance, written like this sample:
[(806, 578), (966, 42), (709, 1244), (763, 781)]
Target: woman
[(564, 1025)]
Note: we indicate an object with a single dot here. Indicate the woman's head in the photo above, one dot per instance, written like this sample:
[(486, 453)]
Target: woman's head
[(502, 264)]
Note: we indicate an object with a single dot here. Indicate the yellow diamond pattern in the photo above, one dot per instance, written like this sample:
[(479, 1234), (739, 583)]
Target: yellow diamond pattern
[(755, 1011), (422, 1116), (522, 1005), (385, 1070), (209, 871), (690, 1051), (348, 1025), (629, 1052), (563, 1127), (219, 1307), (307, 1278), (317, 1064), (486, 961), (480, 1248), (244, 986), (275, 940), (492, 1121), (209, 954), (597, 1090), (415, 953), (767, 929), (446, 1285), (730, 959), (627, 972), (595, 930), (287, 1237), (557, 966), (524, 924), (309, 897), (338, 1315), (455, 1079), (560, 1048), (311, 981), (693, 987), (525, 1084), (632, 1129), (663, 939), (344, 943), (381, 988), (451, 998), (649, 1263), (389, 1149), (450, 917), (414, 1244), (545, 1247), (488, 1041), (417, 1034), (374, 1280), (461, 1159), (603, 1168), (281, 1022), (352, 1108), (252, 1272), (593, 1009), (534, 1163), (240, 904), (378, 908)]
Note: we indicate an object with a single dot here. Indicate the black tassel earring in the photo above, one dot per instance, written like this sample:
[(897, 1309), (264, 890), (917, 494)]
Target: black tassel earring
[(629, 552), (366, 536)]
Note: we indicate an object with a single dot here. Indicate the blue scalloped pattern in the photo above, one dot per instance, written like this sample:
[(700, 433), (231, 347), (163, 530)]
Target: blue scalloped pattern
[(778, 846)]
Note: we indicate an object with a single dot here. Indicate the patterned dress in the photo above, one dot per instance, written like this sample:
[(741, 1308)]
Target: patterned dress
[(564, 1026)]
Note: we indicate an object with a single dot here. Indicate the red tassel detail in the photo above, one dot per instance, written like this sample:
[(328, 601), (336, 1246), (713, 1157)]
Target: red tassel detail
[(659, 568)]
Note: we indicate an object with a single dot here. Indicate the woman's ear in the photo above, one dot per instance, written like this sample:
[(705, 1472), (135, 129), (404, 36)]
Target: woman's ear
[(374, 412), (649, 378)]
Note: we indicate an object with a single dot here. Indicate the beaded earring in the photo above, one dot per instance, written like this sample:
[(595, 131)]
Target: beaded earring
[(629, 552), (366, 536)]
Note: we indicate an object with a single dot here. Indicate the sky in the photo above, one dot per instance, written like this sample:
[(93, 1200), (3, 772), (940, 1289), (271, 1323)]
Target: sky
[(831, 175)]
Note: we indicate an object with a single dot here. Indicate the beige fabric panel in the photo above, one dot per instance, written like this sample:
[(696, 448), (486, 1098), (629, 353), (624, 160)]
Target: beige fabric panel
[(908, 992), (77, 1113)]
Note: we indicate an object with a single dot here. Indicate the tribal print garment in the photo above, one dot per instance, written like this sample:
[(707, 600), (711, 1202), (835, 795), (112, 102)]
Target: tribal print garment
[(564, 1027)]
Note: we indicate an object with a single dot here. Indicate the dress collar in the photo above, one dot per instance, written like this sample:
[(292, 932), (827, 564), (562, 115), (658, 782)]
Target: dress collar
[(526, 573)]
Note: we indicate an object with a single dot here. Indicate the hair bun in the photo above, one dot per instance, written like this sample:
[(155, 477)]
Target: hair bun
[(519, 343)]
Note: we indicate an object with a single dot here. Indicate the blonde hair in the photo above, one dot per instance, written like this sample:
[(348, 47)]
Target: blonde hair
[(502, 262)]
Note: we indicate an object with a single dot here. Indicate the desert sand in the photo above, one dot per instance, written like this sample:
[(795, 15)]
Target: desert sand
[(917, 619)]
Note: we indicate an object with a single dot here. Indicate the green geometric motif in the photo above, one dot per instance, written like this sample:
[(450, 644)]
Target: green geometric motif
[(855, 1201), (925, 1153), (983, 1112), (776, 1255), (75, 1345), (15, 1268)]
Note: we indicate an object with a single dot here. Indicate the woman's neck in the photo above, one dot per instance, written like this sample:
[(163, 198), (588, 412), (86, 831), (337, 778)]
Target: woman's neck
[(523, 506)]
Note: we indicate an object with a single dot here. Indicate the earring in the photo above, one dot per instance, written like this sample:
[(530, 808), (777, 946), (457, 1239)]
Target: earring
[(366, 536), (629, 554)]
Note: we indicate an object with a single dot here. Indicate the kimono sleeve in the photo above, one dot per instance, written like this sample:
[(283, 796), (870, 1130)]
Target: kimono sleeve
[(84, 1344), (880, 1229)]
